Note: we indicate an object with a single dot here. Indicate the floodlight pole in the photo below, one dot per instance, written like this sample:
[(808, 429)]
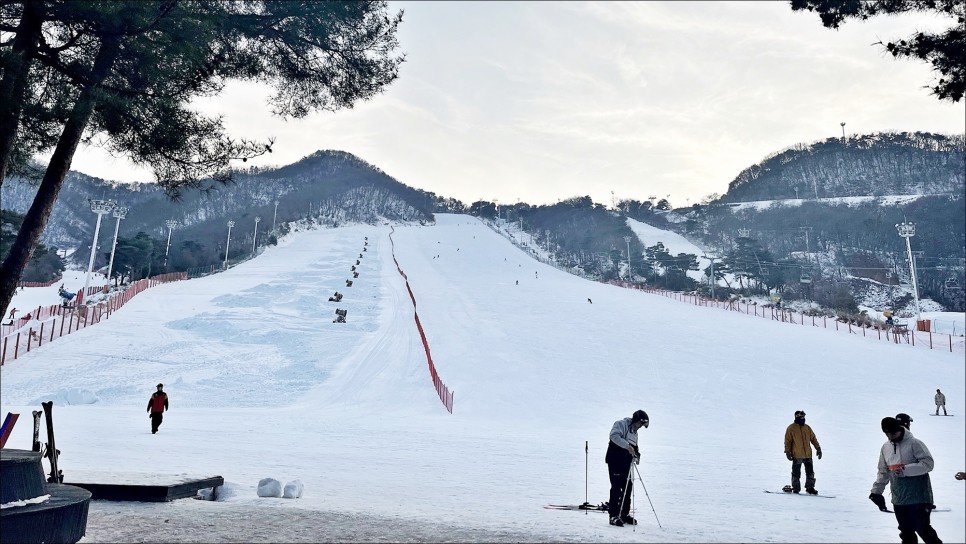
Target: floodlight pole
[(119, 213), (171, 223), (713, 279), (228, 242), (100, 207), (255, 234), (274, 216), (907, 231), (628, 240)]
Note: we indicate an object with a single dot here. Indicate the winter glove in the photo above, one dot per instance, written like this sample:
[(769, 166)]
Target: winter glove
[(879, 501), (819, 453), (790, 456)]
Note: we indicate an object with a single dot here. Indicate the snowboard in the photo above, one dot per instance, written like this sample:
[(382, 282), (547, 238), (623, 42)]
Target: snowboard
[(943, 415), (803, 494), (934, 510), (586, 507)]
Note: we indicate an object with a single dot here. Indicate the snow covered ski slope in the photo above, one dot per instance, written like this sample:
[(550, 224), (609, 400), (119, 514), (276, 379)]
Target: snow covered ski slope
[(256, 370)]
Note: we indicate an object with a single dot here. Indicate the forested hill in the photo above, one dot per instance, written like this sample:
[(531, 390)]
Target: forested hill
[(327, 187), (860, 165)]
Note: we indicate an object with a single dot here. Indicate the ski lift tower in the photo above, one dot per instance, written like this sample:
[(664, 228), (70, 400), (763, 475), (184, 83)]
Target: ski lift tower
[(101, 208), (907, 231)]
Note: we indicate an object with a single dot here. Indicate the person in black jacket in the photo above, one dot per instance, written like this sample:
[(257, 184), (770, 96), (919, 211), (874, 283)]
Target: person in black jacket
[(622, 450)]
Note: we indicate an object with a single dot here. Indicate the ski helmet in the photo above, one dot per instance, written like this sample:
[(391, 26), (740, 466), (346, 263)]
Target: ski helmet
[(904, 419), (890, 425), (641, 416)]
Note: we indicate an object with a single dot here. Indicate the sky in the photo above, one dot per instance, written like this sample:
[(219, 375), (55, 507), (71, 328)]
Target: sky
[(263, 384), (543, 101)]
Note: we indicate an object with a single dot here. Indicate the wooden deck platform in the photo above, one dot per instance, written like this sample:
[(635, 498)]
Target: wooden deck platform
[(142, 487)]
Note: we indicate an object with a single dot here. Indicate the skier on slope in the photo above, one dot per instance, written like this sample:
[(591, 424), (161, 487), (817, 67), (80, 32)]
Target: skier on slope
[(798, 450), (622, 450), (904, 463)]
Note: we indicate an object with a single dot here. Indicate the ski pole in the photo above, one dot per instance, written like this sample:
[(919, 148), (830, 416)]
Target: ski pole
[(648, 496), (586, 501), (630, 473)]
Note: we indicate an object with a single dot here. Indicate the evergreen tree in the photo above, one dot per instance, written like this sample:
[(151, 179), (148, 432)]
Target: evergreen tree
[(126, 72)]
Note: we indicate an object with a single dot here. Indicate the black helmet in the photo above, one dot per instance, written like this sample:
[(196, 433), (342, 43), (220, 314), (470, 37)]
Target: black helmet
[(890, 425), (641, 416), (903, 419), (799, 413)]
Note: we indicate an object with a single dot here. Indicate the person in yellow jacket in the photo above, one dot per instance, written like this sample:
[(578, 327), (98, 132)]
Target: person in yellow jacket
[(799, 439)]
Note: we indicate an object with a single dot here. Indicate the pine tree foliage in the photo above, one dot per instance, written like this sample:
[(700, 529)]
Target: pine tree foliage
[(945, 51)]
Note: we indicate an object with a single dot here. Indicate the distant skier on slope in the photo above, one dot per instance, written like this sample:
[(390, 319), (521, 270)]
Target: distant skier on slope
[(798, 440), (904, 463), (622, 450)]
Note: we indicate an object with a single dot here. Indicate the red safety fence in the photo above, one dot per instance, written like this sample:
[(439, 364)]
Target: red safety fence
[(39, 283), (896, 334), (444, 393), (49, 323)]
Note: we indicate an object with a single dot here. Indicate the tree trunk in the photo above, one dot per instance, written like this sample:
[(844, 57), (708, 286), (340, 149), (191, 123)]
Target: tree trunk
[(13, 86), (36, 219)]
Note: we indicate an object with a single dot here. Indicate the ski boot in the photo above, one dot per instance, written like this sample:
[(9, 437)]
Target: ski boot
[(628, 520), (811, 491), (615, 521)]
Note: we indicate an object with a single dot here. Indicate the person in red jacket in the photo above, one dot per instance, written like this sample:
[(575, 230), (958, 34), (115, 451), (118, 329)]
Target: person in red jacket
[(157, 405)]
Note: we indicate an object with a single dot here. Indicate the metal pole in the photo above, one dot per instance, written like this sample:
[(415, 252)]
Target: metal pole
[(647, 495), (907, 231), (228, 242), (119, 213), (274, 216), (255, 234), (100, 207), (628, 240), (171, 223)]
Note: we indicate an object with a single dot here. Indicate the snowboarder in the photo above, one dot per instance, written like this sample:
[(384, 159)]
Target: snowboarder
[(887, 314), (904, 463), (798, 440), (622, 450), (157, 405), (941, 403)]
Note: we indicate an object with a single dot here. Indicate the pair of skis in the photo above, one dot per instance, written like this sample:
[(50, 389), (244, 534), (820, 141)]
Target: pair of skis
[(56, 475)]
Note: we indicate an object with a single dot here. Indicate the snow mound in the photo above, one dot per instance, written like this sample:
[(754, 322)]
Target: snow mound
[(269, 487)]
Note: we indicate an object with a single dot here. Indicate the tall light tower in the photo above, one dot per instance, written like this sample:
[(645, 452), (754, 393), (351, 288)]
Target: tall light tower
[(843, 130), (171, 223), (274, 216), (713, 279), (255, 234), (228, 242), (119, 213), (907, 231), (100, 207), (628, 240)]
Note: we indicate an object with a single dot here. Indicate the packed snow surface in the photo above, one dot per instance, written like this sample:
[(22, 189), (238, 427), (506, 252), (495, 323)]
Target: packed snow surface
[(262, 384)]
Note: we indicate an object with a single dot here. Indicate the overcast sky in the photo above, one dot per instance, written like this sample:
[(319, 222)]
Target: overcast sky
[(542, 101)]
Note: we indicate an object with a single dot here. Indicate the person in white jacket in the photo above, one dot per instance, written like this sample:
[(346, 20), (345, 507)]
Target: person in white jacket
[(904, 464), (941, 403)]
